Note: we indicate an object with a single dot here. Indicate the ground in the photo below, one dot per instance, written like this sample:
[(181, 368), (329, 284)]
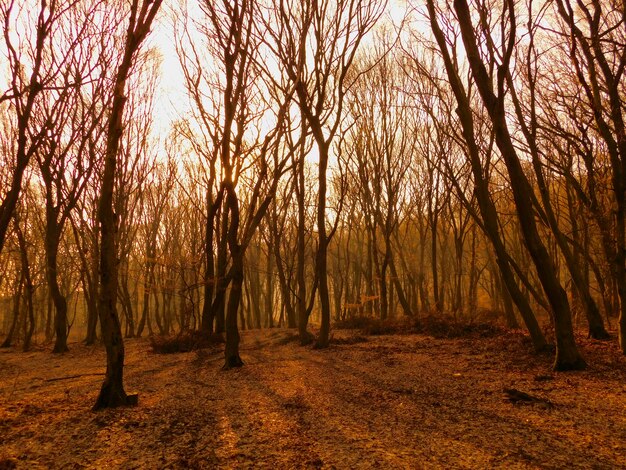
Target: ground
[(401, 401)]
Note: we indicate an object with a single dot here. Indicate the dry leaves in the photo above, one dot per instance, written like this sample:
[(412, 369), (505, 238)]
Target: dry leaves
[(407, 401)]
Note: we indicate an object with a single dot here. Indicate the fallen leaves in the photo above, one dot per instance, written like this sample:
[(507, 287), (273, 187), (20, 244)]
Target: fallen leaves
[(390, 402)]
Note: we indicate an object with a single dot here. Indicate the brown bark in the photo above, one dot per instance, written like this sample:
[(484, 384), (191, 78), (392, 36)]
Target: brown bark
[(89, 282), (594, 320), (601, 79), (60, 303), (285, 292), (127, 305), (29, 289), (236, 274), (301, 311), (206, 324), (269, 287)]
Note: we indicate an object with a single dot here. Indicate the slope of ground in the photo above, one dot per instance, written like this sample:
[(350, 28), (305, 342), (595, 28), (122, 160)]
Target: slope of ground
[(386, 402)]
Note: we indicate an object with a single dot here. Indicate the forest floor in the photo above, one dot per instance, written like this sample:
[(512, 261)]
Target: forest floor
[(396, 401)]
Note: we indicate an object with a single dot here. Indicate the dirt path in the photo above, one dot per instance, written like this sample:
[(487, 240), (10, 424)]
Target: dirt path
[(388, 402)]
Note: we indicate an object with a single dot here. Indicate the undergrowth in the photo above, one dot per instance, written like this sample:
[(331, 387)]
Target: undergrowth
[(184, 342), (437, 326)]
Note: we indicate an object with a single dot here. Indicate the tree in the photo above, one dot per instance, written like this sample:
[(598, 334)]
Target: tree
[(112, 393), (315, 45), (45, 66), (487, 207), (493, 96), (72, 115), (526, 111), (380, 144), (594, 32), (229, 117)]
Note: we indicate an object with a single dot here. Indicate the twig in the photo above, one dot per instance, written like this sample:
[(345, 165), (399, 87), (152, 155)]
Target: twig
[(74, 376), (516, 396), (14, 384)]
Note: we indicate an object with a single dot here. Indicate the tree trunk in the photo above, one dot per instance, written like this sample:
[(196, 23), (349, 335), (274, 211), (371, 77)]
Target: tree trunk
[(29, 289), (284, 286), (144, 309), (231, 350), (321, 265), (30, 329), (60, 302), (269, 288), (433, 257), (404, 302), (206, 326), (92, 318), (16, 312), (509, 312), (218, 307), (25, 109), (612, 130), (236, 276), (89, 276), (303, 317), (127, 304)]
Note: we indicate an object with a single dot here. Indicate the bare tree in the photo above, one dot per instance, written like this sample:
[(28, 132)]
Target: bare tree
[(493, 96), (378, 104), (228, 117), (315, 45), (487, 207), (45, 66), (595, 37), (72, 115), (112, 393)]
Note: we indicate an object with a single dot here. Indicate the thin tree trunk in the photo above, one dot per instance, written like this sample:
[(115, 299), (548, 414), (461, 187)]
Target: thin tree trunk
[(321, 265), (236, 275), (29, 288), (269, 288), (404, 302), (284, 287), (60, 302), (210, 283), (481, 188), (303, 318), (16, 311)]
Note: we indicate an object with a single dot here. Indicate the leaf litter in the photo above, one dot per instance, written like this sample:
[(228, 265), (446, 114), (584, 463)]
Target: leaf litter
[(391, 401)]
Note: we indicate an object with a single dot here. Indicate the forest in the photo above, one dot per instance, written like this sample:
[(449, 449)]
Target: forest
[(371, 191)]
